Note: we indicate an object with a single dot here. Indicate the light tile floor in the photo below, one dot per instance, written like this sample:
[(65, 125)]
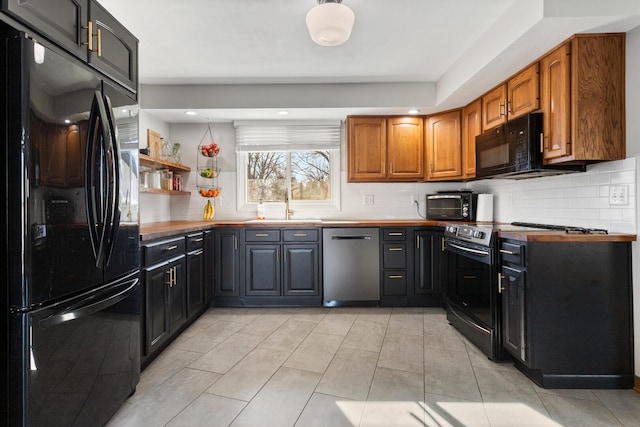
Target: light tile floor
[(349, 367)]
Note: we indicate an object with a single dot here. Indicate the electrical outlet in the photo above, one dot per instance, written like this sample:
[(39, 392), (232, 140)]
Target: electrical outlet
[(368, 199), (414, 199), (619, 195)]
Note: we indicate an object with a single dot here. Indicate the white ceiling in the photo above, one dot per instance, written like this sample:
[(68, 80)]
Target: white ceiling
[(456, 48)]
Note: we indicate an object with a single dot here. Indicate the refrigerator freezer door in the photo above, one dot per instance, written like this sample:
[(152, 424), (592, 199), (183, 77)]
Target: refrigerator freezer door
[(79, 359)]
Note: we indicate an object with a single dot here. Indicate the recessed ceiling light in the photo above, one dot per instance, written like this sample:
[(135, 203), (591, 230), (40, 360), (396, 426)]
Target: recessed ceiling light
[(414, 111), (283, 113), (124, 110), (190, 113), (67, 121)]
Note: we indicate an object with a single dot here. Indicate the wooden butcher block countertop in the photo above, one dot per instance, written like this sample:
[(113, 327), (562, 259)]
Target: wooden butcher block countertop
[(157, 230)]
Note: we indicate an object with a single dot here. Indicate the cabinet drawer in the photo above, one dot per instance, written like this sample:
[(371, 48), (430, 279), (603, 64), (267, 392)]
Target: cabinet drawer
[(394, 255), (195, 241), (394, 283), (394, 234), (512, 252), (301, 235), (163, 250), (262, 235)]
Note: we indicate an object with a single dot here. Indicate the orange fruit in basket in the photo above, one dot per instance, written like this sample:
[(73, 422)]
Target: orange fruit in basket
[(202, 192)]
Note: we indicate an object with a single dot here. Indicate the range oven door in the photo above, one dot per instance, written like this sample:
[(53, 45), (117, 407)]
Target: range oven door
[(473, 305)]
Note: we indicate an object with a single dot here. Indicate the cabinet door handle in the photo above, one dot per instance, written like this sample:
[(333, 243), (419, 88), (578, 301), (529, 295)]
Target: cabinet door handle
[(170, 248), (502, 113), (541, 142), (261, 234), (396, 234), (235, 243), (504, 251), (89, 42), (99, 43), (170, 271), (442, 244), (500, 288), (469, 277), (277, 256), (396, 276), (417, 242), (197, 240), (391, 168), (394, 249), (200, 252), (509, 107), (300, 235)]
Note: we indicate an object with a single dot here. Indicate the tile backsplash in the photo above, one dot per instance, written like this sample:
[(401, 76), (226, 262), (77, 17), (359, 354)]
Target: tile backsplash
[(579, 199)]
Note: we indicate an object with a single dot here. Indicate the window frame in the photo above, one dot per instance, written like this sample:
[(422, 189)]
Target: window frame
[(302, 209)]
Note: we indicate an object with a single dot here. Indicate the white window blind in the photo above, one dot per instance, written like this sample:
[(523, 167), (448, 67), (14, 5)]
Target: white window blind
[(260, 136)]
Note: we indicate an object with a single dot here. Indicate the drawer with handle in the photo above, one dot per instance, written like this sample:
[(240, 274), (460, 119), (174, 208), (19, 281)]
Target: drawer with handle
[(512, 252), (301, 235), (262, 235), (195, 241), (163, 250), (394, 234)]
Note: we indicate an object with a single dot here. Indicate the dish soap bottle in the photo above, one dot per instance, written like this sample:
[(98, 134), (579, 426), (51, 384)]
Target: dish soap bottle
[(261, 210)]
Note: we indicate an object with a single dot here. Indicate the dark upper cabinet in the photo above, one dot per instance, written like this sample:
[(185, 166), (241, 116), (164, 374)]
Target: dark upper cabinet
[(115, 50), (86, 30), (60, 21)]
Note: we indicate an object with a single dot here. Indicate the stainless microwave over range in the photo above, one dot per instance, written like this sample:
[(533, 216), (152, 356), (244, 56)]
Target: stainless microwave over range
[(452, 205), (514, 150)]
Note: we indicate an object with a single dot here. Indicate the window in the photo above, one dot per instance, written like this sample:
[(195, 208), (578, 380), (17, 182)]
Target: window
[(300, 161)]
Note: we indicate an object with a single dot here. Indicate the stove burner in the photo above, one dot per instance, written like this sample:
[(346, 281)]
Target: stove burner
[(565, 228)]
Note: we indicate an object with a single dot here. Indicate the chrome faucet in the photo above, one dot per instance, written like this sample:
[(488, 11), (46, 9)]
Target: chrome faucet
[(287, 212)]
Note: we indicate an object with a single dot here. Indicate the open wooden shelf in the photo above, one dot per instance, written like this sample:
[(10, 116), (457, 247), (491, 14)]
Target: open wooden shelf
[(161, 191), (156, 163)]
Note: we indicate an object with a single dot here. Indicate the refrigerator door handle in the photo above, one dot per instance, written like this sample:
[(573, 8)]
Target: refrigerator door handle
[(113, 159), (92, 178), (99, 211), (86, 309)]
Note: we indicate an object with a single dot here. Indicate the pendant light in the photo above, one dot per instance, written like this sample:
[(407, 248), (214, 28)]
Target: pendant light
[(330, 23)]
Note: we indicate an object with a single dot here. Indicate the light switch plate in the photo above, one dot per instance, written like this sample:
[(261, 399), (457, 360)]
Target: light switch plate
[(619, 195), (368, 199)]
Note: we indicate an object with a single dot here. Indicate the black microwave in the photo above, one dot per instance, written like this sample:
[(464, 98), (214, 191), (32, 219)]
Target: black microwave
[(514, 150), (455, 206)]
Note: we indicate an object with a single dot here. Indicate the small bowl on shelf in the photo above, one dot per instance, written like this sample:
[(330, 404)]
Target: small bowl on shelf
[(210, 150), (208, 172), (207, 191)]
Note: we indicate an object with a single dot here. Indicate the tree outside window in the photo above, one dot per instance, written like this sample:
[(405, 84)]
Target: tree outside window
[(304, 175)]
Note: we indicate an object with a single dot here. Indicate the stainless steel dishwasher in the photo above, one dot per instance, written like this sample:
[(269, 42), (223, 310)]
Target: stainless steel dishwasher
[(351, 266)]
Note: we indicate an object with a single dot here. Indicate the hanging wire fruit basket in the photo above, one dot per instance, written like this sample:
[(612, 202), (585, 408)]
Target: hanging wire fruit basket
[(207, 168)]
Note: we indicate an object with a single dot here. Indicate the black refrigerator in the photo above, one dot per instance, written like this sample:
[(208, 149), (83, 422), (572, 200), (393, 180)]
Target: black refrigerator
[(71, 302)]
